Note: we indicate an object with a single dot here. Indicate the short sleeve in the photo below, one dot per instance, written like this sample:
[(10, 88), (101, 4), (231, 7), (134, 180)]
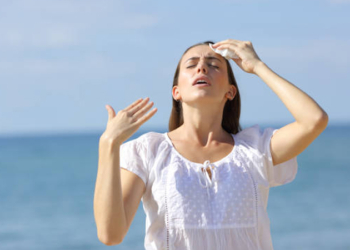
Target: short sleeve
[(133, 157), (282, 173)]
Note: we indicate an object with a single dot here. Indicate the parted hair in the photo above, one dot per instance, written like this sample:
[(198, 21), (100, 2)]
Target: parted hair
[(232, 108)]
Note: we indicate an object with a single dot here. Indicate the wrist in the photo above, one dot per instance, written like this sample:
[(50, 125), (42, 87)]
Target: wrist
[(110, 141), (259, 67)]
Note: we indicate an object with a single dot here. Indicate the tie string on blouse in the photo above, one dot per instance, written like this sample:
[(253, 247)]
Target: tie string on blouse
[(204, 179)]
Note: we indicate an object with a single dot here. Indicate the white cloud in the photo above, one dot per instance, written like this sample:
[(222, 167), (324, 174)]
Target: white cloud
[(333, 51), (92, 66), (138, 21), (339, 1), (43, 39), (57, 24)]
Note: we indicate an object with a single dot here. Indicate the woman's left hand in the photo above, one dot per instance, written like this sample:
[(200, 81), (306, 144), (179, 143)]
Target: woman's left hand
[(248, 59)]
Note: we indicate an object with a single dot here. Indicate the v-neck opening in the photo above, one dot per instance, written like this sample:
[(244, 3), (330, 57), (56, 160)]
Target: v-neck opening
[(217, 163)]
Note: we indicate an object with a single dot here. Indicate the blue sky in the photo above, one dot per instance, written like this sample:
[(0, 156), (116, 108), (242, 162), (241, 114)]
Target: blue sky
[(62, 61)]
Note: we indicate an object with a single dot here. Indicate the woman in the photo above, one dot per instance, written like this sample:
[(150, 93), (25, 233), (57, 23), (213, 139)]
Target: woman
[(204, 185)]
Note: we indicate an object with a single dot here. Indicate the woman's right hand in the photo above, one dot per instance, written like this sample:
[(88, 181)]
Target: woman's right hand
[(126, 122)]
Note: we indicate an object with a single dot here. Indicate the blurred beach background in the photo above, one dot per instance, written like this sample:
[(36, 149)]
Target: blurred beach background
[(62, 61), (47, 186)]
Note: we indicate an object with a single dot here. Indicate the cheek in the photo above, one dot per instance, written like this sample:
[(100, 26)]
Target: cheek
[(184, 79), (222, 79)]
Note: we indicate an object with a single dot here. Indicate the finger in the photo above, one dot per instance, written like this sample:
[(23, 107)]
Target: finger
[(146, 117), (228, 41), (137, 107), (232, 47), (143, 110), (133, 104), (111, 112), (238, 61)]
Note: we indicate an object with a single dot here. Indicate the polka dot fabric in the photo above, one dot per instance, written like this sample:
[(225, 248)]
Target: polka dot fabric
[(229, 203), (185, 209)]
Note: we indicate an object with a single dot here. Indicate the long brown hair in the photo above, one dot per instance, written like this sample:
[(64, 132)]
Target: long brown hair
[(232, 109)]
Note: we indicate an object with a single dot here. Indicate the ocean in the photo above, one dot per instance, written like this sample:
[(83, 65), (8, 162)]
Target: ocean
[(47, 186)]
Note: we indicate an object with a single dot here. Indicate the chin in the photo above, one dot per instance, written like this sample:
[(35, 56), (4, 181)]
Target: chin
[(203, 99)]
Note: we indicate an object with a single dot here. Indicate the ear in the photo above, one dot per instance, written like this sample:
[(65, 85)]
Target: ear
[(234, 90), (176, 93), (231, 93)]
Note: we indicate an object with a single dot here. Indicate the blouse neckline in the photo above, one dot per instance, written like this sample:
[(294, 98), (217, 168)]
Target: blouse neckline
[(217, 163)]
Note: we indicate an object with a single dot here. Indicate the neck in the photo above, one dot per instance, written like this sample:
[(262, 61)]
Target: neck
[(202, 124)]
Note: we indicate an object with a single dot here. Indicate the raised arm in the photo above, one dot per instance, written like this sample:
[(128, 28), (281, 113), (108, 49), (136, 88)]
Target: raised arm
[(117, 191), (310, 119)]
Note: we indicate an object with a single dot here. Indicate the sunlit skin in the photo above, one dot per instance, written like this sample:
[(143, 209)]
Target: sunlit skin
[(201, 136), (202, 61)]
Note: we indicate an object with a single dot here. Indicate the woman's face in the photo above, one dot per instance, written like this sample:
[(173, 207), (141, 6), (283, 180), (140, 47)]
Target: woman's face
[(203, 77)]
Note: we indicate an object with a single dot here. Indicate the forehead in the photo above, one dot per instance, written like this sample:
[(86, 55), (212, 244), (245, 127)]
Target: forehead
[(201, 51)]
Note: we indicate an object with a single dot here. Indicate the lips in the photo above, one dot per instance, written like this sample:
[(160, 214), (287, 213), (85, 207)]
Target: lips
[(202, 80)]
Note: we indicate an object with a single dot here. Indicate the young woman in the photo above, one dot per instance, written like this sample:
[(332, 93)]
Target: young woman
[(205, 183)]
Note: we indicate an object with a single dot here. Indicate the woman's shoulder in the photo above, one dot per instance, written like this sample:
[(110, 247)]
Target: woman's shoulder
[(147, 139), (151, 136), (248, 132), (148, 145), (254, 135)]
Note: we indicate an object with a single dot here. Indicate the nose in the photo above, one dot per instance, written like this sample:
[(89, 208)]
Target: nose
[(202, 67)]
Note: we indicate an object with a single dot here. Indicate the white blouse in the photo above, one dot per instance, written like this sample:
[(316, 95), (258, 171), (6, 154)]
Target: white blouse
[(186, 209)]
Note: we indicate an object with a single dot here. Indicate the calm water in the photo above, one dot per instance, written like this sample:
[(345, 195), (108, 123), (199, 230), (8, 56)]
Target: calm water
[(47, 186)]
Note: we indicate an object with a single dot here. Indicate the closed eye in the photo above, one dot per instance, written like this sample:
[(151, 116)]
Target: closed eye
[(211, 65)]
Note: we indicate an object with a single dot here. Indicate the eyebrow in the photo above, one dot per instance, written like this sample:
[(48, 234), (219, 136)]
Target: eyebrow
[(206, 57)]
